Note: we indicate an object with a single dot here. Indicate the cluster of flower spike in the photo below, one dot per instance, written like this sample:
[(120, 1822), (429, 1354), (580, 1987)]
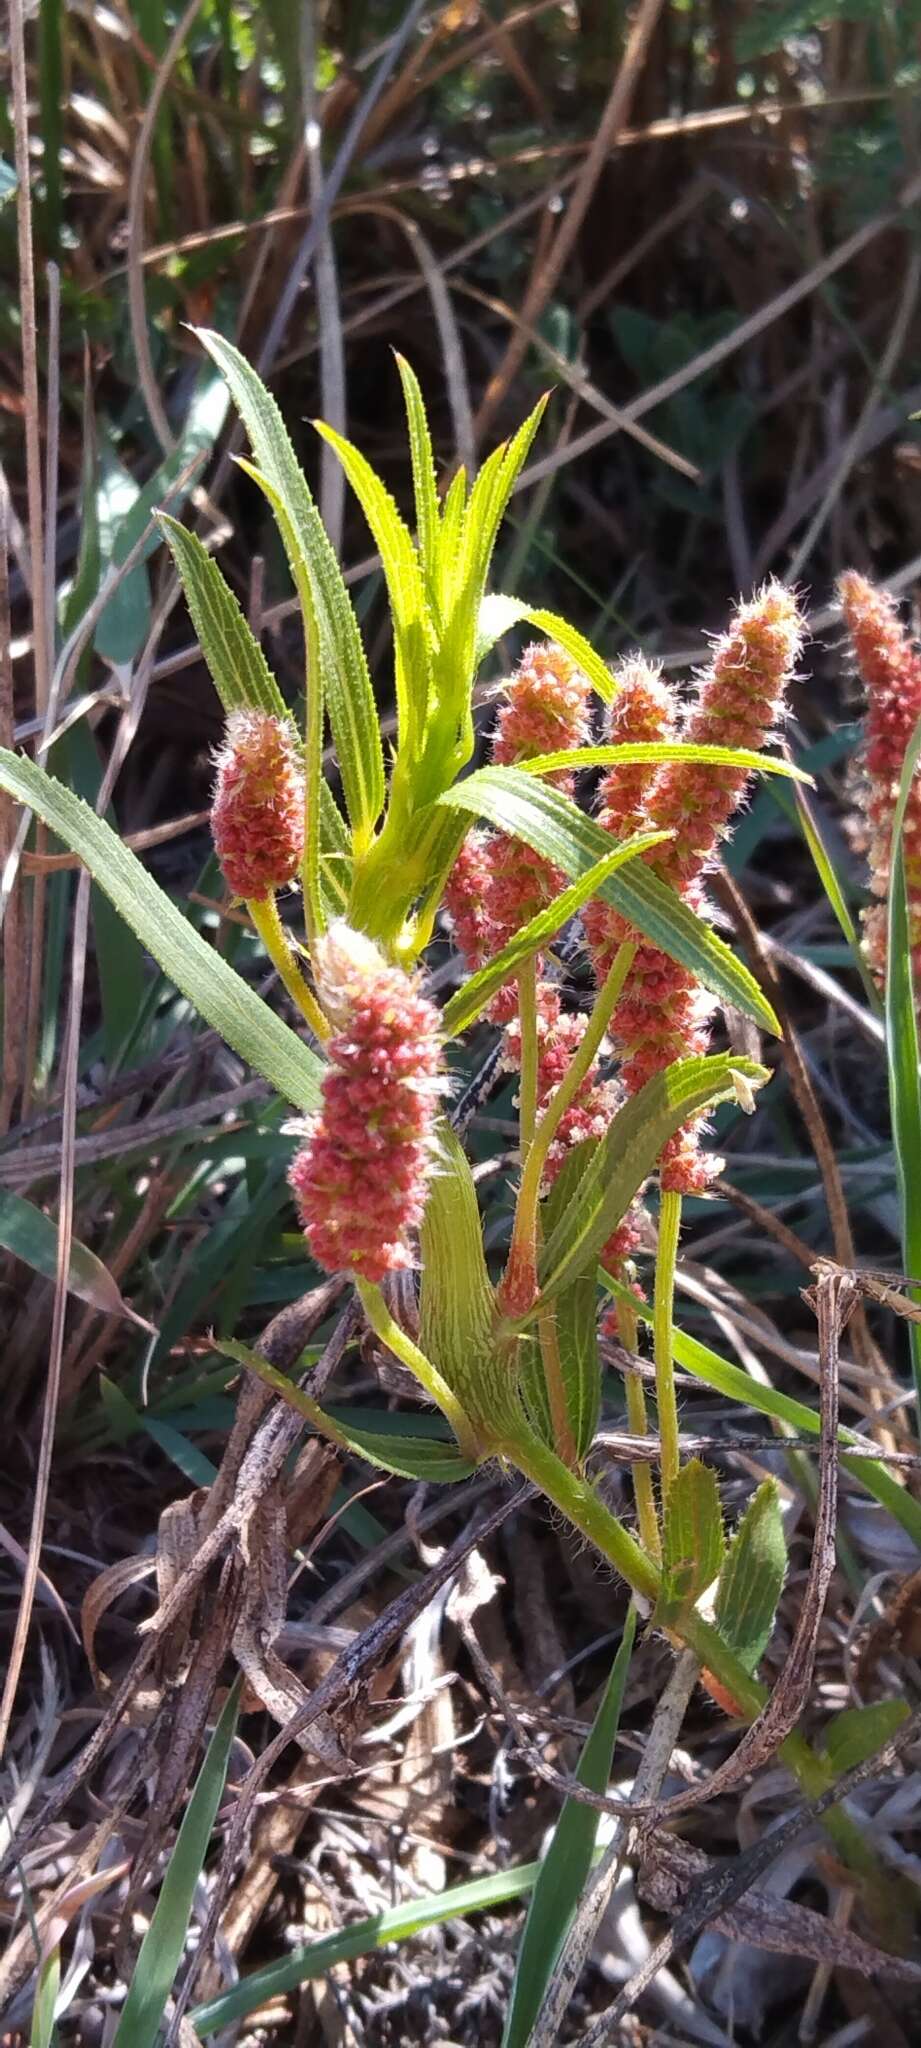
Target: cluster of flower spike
[(497, 884), (257, 810), (360, 1179), (890, 669), (662, 1016)]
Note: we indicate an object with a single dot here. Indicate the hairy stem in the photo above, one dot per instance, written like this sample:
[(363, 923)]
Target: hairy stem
[(527, 1096), (663, 1314), (278, 946)]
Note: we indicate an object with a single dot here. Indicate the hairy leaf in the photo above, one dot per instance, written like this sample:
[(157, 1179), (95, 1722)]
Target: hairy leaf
[(500, 614), (693, 1545), (628, 1154), (751, 1581)]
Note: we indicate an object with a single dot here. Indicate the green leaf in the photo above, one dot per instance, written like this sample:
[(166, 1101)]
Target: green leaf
[(859, 1732), (693, 1545), (440, 1463), (46, 1996), (411, 630), (902, 1049), (565, 1869), (456, 1302), (161, 1949), (498, 615), (656, 752), (396, 1923), (220, 995), (751, 1581), (423, 464), (472, 998), (547, 820), (628, 1153), (32, 1237), (318, 580), (238, 668)]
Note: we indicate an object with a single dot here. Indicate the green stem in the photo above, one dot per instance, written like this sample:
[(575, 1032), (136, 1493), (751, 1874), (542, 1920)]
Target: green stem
[(640, 1473), (277, 944), (663, 1316), (577, 1501), (564, 1441), (524, 1230), (527, 1097), (428, 1375)]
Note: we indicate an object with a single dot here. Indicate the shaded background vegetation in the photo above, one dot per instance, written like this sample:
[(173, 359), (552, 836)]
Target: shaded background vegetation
[(705, 240)]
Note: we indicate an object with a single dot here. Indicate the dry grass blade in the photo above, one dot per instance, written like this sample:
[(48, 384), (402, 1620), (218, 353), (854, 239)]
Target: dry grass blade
[(550, 270), (137, 296), (59, 1315), (15, 963)]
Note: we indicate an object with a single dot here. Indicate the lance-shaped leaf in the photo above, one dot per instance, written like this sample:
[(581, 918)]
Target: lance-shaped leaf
[(574, 1332), (438, 1459), (902, 1046), (654, 753), (220, 995), (471, 1000), (860, 1732), (553, 825), (237, 666), (411, 629), (423, 465), (456, 1302), (693, 1545), (316, 572), (751, 1581), (499, 614), (628, 1153)]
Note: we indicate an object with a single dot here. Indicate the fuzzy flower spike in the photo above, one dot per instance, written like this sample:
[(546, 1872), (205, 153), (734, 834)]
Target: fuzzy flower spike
[(890, 669), (662, 1016), (257, 811), (360, 1180)]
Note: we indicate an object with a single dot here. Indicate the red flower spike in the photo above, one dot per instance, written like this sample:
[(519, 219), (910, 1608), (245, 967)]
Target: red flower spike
[(642, 714), (360, 1181), (547, 707), (257, 811), (890, 668)]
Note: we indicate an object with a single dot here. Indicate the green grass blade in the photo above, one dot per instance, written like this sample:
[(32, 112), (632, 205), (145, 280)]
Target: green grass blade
[(553, 825), (220, 995), (32, 1237), (566, 1866), (902, 1052), (397, 1923), (162, 1946)]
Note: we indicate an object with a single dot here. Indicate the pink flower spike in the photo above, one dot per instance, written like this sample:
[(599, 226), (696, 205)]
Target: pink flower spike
[(257, 811), (361, 1179), (547, 707), (890, 668)]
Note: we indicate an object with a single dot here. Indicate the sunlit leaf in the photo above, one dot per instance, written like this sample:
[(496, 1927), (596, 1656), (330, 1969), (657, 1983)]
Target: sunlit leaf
[(692, 1545), (751, 1581), (547, 820)]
